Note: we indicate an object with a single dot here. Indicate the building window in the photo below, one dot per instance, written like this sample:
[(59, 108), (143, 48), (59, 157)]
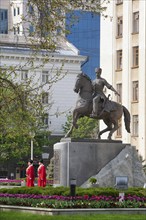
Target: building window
[(2, 16), (135, 56), (135, 91), (14, 30), (119, 26), (119, 90), (119, 59), (45, 76), (45, 119), (135, 22), (24, 75), (18, 10), (45, 97), (18, 30), (14, 12), (119, 2), (6, 15), (135, 125), (31, 29), (31, 10), (119, 130)]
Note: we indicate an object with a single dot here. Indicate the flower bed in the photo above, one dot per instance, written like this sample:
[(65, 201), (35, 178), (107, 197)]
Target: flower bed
[(55, 201), (8, 182), (58, 197), (18, 182)]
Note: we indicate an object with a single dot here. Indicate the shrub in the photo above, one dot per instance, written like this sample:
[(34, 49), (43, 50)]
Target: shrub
[(65, 191), (92, 180)]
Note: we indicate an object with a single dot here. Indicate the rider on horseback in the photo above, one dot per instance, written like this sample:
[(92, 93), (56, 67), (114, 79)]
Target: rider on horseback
[(99, 96)]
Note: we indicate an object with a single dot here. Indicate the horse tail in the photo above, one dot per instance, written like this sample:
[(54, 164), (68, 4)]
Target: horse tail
[(126, 119)]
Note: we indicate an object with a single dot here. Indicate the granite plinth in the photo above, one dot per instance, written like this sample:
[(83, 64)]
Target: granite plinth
[(80, 160)]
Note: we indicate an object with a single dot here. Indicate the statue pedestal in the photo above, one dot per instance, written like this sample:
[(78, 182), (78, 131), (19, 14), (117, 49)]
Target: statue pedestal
[(81, 159)]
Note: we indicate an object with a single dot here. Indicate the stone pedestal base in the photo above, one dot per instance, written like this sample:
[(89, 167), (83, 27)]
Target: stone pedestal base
[(81, 159)]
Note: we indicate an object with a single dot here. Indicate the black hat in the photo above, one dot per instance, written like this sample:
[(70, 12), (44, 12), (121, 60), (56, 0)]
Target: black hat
[(41, 160), (31, 161)]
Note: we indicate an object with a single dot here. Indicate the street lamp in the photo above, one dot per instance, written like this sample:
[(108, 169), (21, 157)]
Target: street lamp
[(32, 134), (73, 183), (45, 156)]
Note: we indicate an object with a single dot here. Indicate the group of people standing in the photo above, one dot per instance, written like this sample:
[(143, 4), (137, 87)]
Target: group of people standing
[(30, 174)]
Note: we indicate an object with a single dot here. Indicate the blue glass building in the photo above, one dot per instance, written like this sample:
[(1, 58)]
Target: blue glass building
[(85, 35)]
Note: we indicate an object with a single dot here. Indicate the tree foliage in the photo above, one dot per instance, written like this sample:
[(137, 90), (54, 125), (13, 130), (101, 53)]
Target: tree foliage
[(21, 110), (18, 117), (87, 127), (48, 19)]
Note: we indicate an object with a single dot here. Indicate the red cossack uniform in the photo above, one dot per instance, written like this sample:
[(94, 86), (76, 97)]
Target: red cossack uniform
[(42, 175), (30, 176)]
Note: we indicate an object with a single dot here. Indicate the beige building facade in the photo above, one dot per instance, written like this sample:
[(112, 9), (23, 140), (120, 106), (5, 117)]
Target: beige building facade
[(123, 60)]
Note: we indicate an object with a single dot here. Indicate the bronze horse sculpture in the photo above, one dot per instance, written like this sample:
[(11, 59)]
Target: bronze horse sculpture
[(84, 105)]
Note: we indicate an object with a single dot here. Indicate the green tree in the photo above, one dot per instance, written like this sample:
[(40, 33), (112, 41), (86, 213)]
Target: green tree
[(21, 111), (87, 127), (18, 117)]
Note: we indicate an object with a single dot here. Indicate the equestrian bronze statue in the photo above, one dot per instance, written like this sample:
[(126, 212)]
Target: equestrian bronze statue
[(93, 103)]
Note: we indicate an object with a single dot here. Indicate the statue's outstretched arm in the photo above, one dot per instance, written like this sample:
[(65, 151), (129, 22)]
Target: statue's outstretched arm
[(116, 93), (111, 88)]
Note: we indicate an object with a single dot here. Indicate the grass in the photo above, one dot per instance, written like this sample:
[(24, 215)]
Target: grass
[(27, 216)]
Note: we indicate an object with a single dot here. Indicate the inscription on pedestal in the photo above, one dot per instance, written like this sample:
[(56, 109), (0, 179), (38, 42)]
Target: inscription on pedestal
[(57, 166)]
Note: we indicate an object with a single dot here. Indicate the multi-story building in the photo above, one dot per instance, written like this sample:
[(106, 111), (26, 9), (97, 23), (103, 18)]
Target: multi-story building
[(85, 35), (123, 59), (10, 17), (14, 51)]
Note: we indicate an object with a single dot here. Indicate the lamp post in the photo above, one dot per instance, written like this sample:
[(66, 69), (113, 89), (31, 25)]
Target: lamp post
[(45, 157), (73, 183), (32, 134), (31, 144)]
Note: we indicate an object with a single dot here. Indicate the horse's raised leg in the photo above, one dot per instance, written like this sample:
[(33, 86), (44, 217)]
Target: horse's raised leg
[(74, 124), (75, 118), (103, 131), (69, 132)]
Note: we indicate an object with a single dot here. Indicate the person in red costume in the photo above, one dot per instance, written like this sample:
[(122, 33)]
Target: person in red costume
[(41, 174), (30, 174)]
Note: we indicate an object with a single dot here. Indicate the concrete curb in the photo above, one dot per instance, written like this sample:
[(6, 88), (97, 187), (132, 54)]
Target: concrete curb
[(45, 211)]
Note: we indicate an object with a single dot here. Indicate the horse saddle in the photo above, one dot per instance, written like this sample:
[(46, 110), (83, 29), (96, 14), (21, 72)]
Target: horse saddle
[(106, 106)]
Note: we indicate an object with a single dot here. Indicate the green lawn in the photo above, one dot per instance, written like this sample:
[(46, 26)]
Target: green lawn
[(26, 216)]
